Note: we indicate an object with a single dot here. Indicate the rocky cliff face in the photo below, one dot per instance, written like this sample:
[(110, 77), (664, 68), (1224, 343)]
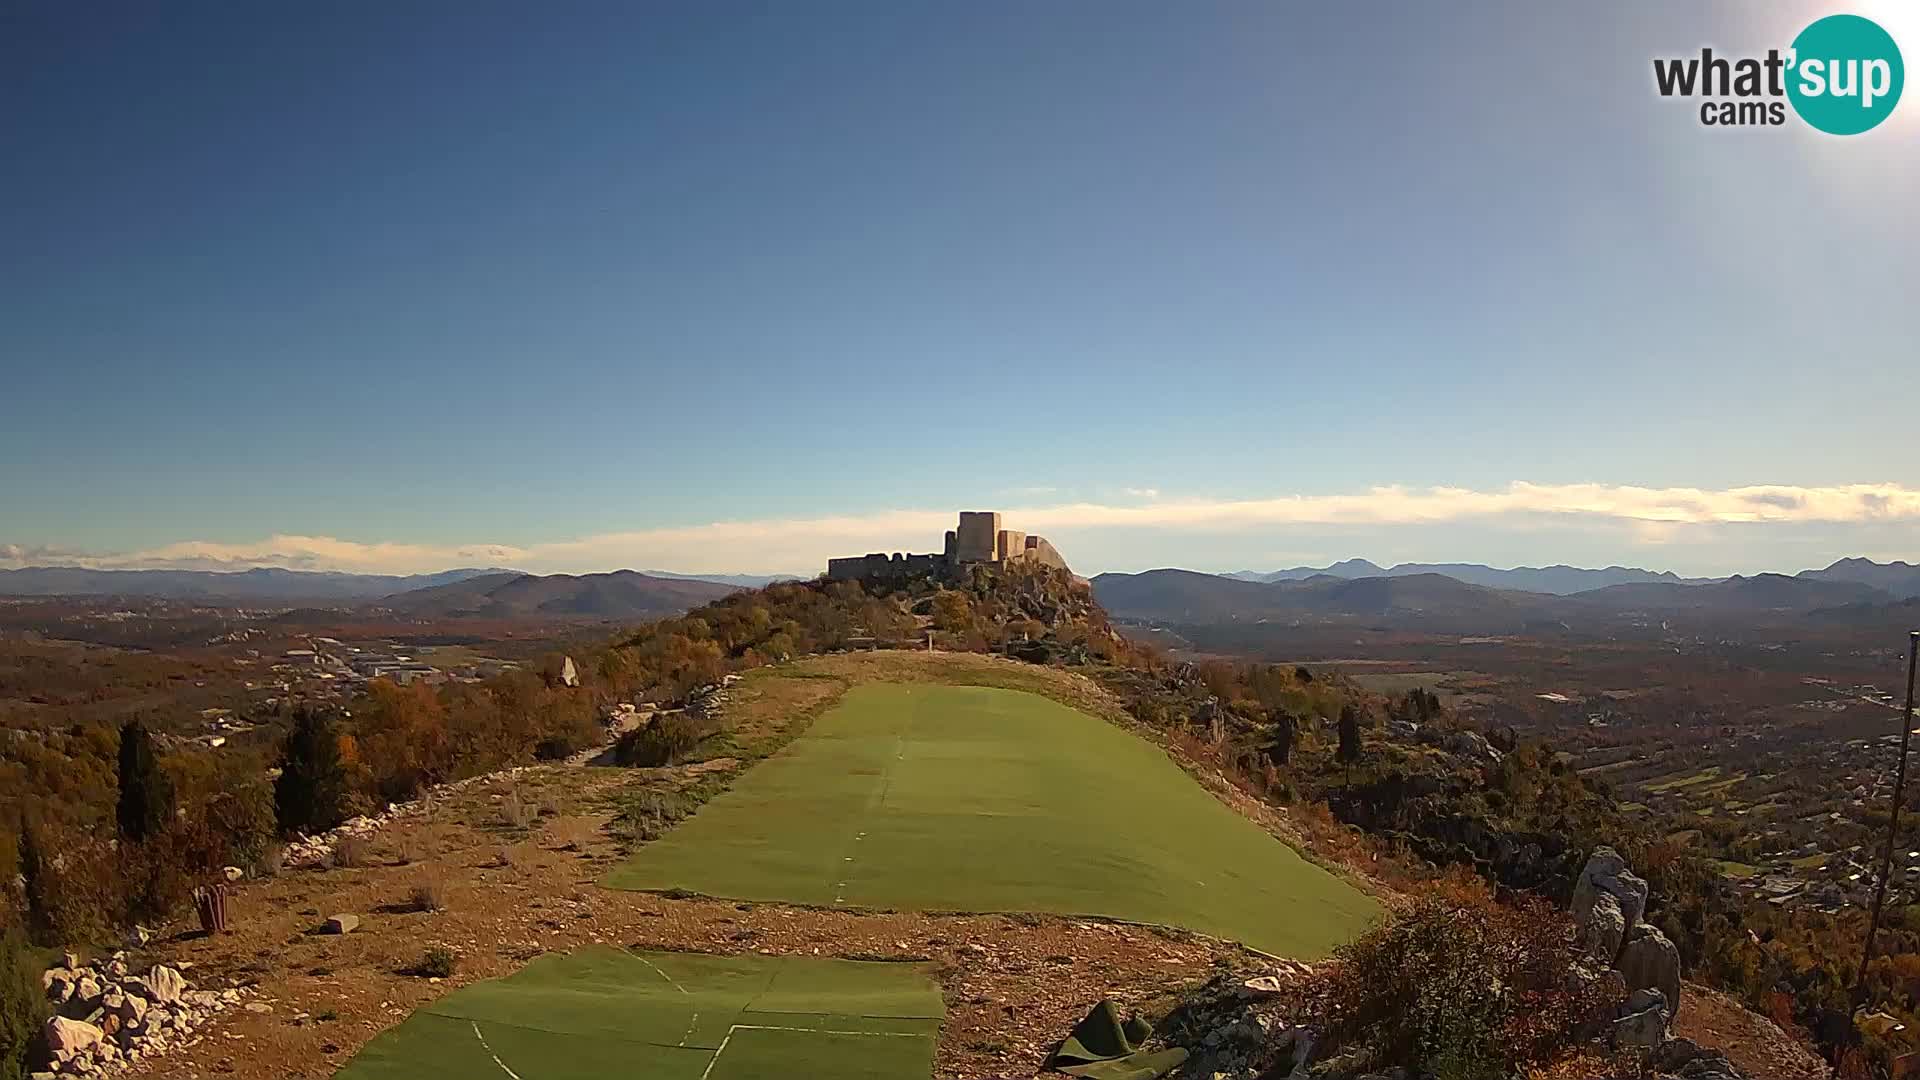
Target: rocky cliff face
[(1609, 900)]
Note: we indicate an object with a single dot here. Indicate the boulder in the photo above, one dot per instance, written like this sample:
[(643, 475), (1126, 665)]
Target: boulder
[(1649, 960), (87, 989), (1645, 998), (1643, 1030), (1606, 872), (1690, 1059), (130, 1008), (66, 1036), (340, 924), (1472, 744), (164, 985), (1603, 928)]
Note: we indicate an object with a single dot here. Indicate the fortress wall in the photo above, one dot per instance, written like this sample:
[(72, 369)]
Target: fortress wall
[(1039, 550), (978, 536)]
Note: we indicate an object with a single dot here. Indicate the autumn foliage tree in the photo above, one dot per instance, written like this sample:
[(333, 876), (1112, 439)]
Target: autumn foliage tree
[(403, 740)]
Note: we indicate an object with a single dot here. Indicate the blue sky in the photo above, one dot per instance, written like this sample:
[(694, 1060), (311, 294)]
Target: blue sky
[(723, 286)]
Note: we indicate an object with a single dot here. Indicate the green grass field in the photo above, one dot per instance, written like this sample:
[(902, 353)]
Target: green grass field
[(605, 1014), (966, 798)]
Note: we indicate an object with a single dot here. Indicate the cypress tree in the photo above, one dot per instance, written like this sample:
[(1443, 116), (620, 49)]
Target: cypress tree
[(146, 795), (311, 792), (33, 879), (1280, 749), (1349, 739)]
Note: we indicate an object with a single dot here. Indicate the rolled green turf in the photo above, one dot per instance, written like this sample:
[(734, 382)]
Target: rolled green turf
[(605, 1014), (963, 798)]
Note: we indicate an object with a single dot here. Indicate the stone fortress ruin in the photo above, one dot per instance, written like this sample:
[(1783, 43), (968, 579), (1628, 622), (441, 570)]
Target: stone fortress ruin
[(978, 540)]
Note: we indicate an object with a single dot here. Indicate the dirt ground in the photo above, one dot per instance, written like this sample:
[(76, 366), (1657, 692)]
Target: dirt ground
[(1014, 986), (1752, 1042)]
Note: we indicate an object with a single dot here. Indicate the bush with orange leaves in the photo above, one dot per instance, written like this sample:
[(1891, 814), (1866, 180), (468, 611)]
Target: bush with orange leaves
[(1461, 986)]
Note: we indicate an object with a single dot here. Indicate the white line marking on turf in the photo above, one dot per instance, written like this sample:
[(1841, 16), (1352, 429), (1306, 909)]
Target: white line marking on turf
[(715, 1059), (811, 1031), (490, 1053), (828, 1031), (691, 1024)]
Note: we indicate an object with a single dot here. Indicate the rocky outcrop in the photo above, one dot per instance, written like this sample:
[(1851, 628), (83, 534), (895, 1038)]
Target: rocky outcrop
[(1641, 1030), (1609, 901), (1687, 1059), (108, 1019), (1603, 929), (1243, 1027), (1606, 874), (1649, 961)]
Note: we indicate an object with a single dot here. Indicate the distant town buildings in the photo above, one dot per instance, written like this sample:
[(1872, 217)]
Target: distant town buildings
[(979, 539)]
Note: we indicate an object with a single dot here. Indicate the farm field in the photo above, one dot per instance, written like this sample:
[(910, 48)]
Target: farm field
[(968, 798), (607, 1013)]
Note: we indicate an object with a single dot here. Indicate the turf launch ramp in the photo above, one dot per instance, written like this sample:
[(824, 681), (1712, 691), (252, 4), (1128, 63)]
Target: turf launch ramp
[(606, 1014), (966, 798)]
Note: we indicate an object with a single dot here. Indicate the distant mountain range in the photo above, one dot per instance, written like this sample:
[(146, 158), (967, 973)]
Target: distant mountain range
[(492, 592), (743, 581), (1189, 597), (1761, 592), (1898, 579), (267, 584), (1345, 589), (1557, 580), (623, 594)]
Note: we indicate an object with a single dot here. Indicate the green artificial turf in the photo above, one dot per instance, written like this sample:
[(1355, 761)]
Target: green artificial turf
[(603, 1013), (964, 798)]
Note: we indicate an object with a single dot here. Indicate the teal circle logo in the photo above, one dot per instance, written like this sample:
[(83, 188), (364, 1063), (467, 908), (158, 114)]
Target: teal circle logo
[(1846, 74)]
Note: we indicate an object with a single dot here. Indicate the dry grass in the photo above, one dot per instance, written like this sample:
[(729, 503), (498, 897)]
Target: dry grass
[(350, 851), (515, 809), (428, 895)]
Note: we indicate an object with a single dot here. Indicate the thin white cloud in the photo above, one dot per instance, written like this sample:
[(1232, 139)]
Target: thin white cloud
[(802, 545)]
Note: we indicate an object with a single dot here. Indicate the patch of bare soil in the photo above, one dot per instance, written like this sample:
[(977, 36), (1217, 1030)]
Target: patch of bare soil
[(1752, 1042), (509, 891)]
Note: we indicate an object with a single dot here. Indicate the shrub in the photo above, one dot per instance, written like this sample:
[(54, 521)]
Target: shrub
[(243, 824), (665, 741), (349, 851), (73, 890), (515, 810), (1462, 987), (438, 963), (23, 1005), (648, 815), (159, 876), (310, 795), (428, 896)]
